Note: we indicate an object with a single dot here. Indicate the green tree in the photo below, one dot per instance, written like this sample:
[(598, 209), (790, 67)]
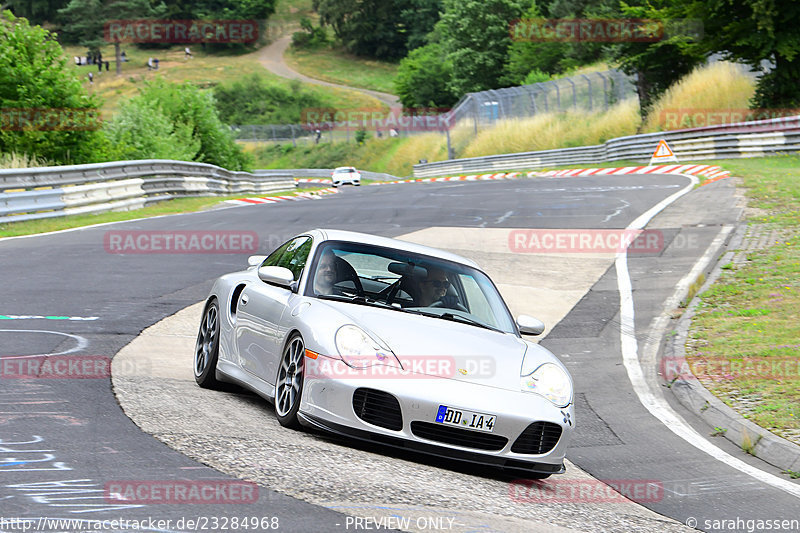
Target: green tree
[(753, 31), (83, 20), (365, 27), (34, 80), (418, 19), (525, 56), (36, 11), (140, 130), (475, 36), (186, 106), (423, 78), (657, 64)]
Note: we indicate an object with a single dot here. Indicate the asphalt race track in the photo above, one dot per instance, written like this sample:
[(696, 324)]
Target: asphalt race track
[(65, 443)]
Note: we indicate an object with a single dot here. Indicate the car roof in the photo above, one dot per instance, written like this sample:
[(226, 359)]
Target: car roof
[(386, 242), (344, 168)]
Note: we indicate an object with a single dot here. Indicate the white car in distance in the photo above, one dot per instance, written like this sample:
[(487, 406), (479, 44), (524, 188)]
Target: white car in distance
[(343, 175)]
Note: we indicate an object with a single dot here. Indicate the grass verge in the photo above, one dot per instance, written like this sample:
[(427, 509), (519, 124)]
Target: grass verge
[(203, 69), (336, 66), (170, 207), (748, 322)]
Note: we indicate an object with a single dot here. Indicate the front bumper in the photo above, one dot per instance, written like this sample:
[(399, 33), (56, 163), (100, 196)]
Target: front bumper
[(327, 404)]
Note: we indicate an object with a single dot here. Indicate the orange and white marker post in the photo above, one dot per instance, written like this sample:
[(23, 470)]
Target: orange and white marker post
[(663, 154)]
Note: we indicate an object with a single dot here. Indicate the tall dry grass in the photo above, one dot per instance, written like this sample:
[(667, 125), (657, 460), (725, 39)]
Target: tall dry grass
[(430, 146), (697, 99), (15, 160), (555, 130)]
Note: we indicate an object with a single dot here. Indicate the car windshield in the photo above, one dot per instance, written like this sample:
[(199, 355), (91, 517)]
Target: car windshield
[(408, 282), (344, 170)]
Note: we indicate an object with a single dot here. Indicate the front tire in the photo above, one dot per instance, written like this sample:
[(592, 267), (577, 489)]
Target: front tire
[(206, 351), (289, 382)]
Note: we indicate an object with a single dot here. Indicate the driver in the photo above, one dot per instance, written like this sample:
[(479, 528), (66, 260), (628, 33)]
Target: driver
[(326, 274), (433, 287)]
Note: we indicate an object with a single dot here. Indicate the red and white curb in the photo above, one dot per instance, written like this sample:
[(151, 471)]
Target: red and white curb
[(473, 177), (707, 171), (316, 195), (312, 180), (710, 172)]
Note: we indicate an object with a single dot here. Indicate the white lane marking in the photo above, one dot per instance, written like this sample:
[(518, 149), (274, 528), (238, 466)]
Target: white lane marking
[(504, 217), (625, 205), (80, 342), (657, 405)]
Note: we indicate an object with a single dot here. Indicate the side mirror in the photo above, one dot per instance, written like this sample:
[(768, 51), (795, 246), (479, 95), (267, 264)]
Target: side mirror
[(255, 260), (279, 276), (529, 326)]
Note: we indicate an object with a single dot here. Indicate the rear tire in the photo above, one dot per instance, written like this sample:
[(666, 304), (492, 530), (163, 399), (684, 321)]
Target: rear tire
[(206, 351), (289, 382)]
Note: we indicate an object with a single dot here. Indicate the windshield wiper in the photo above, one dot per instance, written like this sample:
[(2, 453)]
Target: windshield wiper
[(356, 299), (456, 318)]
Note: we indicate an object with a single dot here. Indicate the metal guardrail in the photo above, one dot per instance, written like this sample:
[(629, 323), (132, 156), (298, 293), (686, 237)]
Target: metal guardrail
[(745, 139), (121, 185)]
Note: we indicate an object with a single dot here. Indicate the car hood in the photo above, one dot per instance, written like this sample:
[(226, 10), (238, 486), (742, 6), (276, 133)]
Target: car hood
[(443, 348)]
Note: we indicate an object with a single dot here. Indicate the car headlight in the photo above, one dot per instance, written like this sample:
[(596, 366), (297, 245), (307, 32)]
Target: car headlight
[(359, 350), (550, 381)]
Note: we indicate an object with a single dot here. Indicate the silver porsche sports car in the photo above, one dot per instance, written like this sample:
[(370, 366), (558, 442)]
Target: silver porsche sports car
[(389, 342)]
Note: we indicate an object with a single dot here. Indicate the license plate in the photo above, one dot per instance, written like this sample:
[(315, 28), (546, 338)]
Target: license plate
[(464, 419)]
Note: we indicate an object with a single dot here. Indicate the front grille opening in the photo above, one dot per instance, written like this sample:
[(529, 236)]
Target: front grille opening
[(458, 437), (378, 408), (538, 438)]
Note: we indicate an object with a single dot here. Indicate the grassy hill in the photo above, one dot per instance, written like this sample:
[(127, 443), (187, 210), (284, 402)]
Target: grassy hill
[(203, 69)]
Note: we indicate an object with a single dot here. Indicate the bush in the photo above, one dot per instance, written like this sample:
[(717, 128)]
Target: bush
[(253, 100), (536, 76), (34, 79), (423, 78), (183, 114), (310, 37), (141, 131)]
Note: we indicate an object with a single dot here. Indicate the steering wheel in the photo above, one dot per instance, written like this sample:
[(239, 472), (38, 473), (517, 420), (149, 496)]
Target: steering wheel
[(455, 305)]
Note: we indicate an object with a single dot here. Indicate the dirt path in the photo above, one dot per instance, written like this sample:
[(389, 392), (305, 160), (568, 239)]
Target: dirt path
[(271, 57)]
